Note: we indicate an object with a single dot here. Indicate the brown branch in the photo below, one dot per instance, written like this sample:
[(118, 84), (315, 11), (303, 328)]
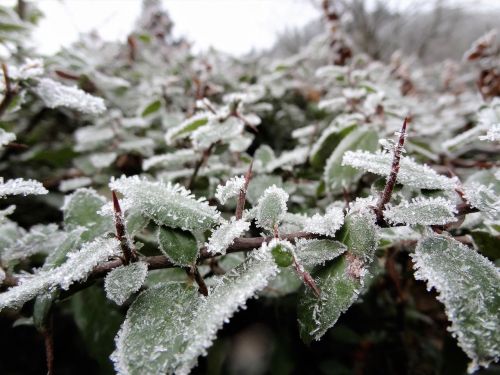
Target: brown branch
[(10, 93), (201, 161), (194, 273), (48, 338), (128, 253), (385, 197), (243, 193), (306, 278)]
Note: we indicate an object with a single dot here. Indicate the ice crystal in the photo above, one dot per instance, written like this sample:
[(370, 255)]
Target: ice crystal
[(121, 282), (20, 186), (493, 134), (6, 137), (224, 236), (469, 287), (169, 326), (317, 251), (326, 224), (78, 265), (56, 95), (74, 183), (230, 189), (425, 211), (166, 204), (271, 207), (172, 159), (410, 173)]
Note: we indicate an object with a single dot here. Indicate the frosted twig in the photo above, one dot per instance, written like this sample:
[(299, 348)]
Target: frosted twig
[(243, 193), (306, 277), (385, 197), (48, 338), (128, 253), (201, 161)]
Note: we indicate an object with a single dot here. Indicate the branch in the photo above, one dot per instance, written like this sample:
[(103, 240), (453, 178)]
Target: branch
[(203, 159), (128, 253), (385, 197), (243, 193)]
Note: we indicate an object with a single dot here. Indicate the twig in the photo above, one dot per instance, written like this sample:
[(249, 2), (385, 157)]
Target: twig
[(9, 92), (306, 277), (203, 159), (385, 197), (48, 338), (128, 252), (243, 193), (194, 273)]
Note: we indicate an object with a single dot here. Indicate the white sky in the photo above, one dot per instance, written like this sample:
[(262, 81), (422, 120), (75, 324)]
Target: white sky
[(232, 26)]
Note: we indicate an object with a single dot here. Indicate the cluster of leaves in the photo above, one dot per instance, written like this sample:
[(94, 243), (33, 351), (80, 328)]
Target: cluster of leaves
[(188, 141)]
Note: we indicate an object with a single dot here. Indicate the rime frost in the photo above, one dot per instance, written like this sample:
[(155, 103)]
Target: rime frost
[(410, 173), (224, 236), (326, 224), (6, 137), (493, 134), (169, 326), (20, 186), (482, 197), (74, 183), (102, 159), (172, 159), (425, 211), (76, 268), (187, 126), (469, 287), (166, 204), (317, 251), (230, 189), (216, 131), (121, 282), (56, 95), (271, 207)]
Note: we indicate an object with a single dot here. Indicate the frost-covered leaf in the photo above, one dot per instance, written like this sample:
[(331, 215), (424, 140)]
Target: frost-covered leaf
[(482, 190), (168, 326), (166, 204), (215, 131), (317, 251), (74, 183), (340, 284), (288, 159), (41, 239), (326, 144), (224, 236), (259, 184), (326, 224), (80, 210), (262, 157), (2, 275), (360, 234), (78, 265), (271, 207), (284, 283), (493, 134), (179, 246), (6, 137), (121, 282), (151, 108), (333, 104), (469, 287), (425, 211), (230, 189), (186, 127), (55, 94), (173, 159), (102, 159), (90, 137), (410, 172), (20, 186), (336, 174)]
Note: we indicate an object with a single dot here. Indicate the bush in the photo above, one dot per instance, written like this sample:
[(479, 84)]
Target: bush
[(166, 190)]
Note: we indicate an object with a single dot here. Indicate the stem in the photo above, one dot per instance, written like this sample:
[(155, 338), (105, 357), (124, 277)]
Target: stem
[(128, 252), (203, 159), (48, 338), (306, 277), (243, 193), (385, 197)]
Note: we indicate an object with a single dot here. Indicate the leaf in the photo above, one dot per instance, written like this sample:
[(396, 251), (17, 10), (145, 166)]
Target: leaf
[(259, 184), (469, 287), (360, 235), (230, 189), (80, 210), (424, 211), (20, 186), (151, 108), (56, 95), (187, 126), (288, 159), (78, 265), (317, 251), (215, 131), (166, 204), (271, 207), (283, 251), (339, 289), (225, 235), (337, 175), (169, 326), (410, 172), (326, 144), (121, 282), (326, 224), (482, 191), (179, 246), (172, 159), (262, 157), (6, 138)]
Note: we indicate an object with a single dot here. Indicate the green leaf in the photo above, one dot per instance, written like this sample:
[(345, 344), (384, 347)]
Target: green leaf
[(359, 234), (98, 320), (179, 246), (271, 207), (339, 289), (469, 287), (186, 127), (151, 108), (338, 176), (168, 326), (326, 144), (315, 252), (487, 243), (121, 282), (282, 254), (259, 184), (80, 210)]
